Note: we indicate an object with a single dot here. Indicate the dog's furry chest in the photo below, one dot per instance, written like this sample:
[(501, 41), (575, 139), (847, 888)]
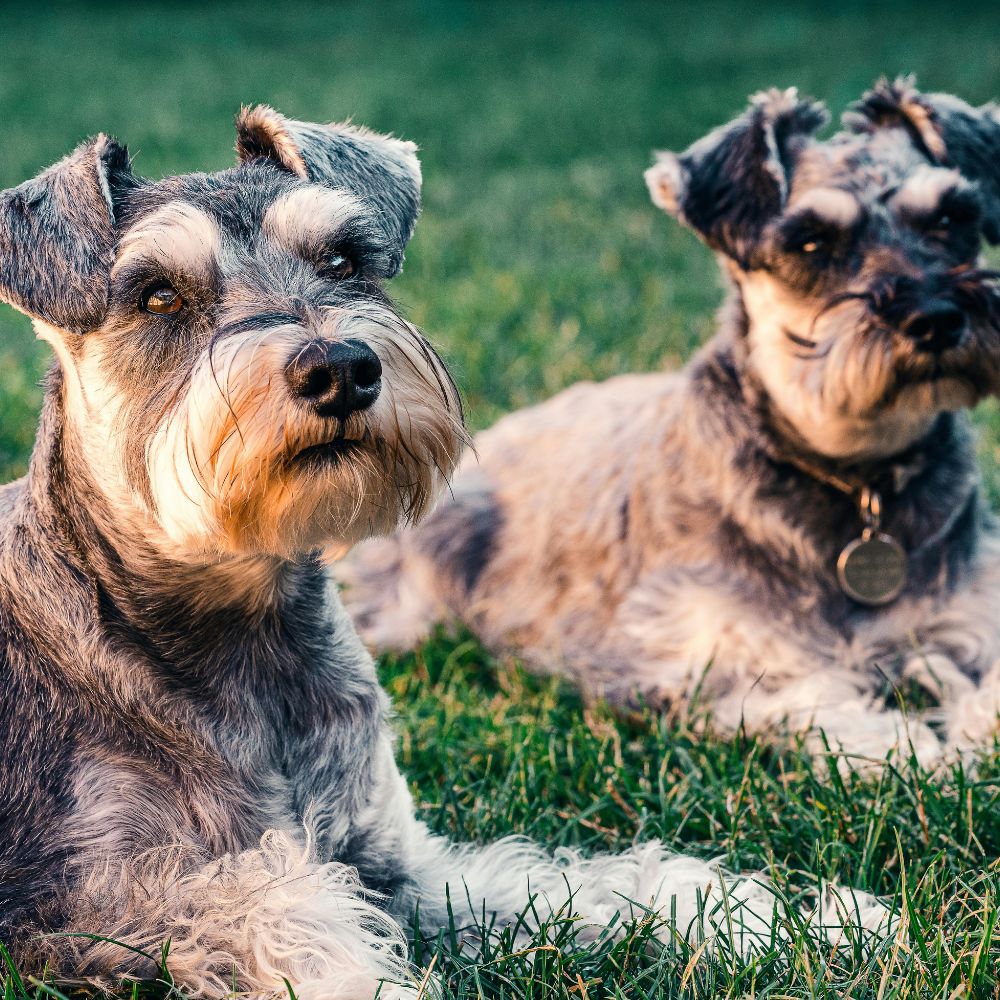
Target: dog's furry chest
[(287, 744), (272, 728), (668, 535)]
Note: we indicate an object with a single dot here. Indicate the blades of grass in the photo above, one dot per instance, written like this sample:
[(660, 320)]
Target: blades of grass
[(107, 940), (15, 976)]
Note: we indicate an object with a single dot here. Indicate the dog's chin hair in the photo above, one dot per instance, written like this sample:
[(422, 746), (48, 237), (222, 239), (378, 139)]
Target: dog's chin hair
[(331, 505), (859, 382), (227, 469), (866, 375), (933, 395)]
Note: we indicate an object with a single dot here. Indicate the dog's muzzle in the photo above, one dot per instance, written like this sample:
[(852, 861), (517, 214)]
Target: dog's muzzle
[(932, 313), (335, 378)]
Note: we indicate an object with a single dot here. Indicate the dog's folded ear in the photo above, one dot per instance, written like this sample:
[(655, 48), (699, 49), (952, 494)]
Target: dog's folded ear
[(945, 129), (57, 236), (730, 184), (382, 170)]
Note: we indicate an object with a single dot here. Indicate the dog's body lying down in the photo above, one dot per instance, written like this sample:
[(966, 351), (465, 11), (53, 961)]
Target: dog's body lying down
[(672, 533), (693, 560)]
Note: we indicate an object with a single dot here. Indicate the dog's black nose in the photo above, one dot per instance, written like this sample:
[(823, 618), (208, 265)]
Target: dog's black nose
[(938, 326), (335, 378)]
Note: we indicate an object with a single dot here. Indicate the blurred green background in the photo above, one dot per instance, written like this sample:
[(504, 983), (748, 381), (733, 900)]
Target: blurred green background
[(539, 259)]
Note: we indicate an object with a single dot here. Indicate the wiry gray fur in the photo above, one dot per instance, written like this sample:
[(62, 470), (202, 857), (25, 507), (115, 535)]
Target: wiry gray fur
[(384, 172), (57, 237), (193, 742), (679, 534)]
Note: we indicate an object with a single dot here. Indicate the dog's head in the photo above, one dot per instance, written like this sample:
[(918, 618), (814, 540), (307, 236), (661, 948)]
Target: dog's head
[(857, 258), (231, 366)]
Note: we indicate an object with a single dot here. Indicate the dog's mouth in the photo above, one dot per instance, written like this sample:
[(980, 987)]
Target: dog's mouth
[(950, 384), (331, 452)]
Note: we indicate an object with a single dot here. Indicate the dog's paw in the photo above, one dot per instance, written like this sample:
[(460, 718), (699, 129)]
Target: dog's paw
[(863, 740)]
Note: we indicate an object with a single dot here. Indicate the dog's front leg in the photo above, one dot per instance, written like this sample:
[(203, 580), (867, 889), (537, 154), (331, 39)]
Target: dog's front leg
[(698, 642), (515, 882), (957, 655), (253, 922)]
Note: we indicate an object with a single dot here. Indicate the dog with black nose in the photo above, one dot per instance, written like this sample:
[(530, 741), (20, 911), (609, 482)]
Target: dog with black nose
[(793, 527), (194, 746)]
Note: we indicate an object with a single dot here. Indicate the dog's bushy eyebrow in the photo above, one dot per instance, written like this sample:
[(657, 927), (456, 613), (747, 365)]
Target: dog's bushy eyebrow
[(962, 202), (177, 239), (314, 223), (355, 237), (133, 278), (257, 322), (811, 218)]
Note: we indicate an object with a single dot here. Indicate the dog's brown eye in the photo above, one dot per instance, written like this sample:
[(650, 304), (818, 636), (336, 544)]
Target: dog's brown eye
[(162, 300), (339, 267), (810, 246)]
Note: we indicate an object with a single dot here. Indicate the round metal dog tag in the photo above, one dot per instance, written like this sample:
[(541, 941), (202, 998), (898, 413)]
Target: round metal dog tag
[(872, 569)]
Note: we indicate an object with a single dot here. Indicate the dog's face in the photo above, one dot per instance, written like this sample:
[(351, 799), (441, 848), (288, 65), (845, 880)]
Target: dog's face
[(856, 258), (231, 367)]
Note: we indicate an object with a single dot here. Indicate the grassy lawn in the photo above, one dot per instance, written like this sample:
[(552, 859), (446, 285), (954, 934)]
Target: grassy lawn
[(539, 261)]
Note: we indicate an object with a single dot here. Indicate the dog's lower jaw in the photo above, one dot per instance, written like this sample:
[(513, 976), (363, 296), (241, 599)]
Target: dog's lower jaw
[(844, 434), (853, 439)]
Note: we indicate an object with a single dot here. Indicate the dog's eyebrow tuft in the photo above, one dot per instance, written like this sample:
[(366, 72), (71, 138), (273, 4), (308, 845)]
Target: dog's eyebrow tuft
[(927, 187), (176, 235), (833, 206), (311, 219)]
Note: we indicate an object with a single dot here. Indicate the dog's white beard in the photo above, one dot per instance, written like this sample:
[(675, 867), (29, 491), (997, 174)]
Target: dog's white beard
[(847, 398), (222, 470)]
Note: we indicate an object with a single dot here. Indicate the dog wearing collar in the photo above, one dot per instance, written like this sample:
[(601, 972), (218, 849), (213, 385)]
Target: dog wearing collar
[(194, 746), (793, 525)]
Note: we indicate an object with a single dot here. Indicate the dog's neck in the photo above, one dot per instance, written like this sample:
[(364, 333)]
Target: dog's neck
[(187, 614), (932, 500), (778, 437)]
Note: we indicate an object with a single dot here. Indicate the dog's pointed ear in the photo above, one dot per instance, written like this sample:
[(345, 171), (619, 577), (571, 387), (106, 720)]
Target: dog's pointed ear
[(730, 184), (380, 169), (57, 236), (945, 129)]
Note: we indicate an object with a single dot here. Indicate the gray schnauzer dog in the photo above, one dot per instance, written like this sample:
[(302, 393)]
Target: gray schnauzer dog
[(796, 518), (193, 742)]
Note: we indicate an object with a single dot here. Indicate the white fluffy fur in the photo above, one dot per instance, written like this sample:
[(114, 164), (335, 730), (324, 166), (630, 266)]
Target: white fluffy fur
[(257, 918), (273, 914)]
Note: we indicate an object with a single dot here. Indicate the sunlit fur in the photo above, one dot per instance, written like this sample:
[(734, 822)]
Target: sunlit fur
[(859, 390), (221, 456), (673, 538)]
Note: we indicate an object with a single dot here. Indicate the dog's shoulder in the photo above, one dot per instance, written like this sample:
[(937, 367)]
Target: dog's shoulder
[(10, 493)]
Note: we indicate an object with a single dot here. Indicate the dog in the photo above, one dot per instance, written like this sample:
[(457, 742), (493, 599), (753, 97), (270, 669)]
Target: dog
[(792, 527), (194, 746)]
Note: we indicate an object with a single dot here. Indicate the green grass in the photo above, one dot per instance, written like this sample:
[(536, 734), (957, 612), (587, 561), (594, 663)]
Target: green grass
[(539, 261)]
